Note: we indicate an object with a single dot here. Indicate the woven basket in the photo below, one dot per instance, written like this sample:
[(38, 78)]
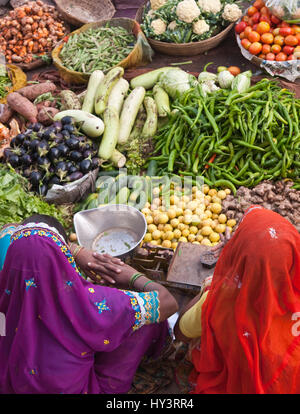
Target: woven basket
[(184, 49), (79, 12), (140, 55), (18, 79)]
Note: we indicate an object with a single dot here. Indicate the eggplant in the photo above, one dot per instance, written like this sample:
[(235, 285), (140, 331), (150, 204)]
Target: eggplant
[(87, 153), (26, 173), (74, 176), (95, 163), (26, 160), (75, 156), (72, 143), (61, 170), (35, 178), (72, 169), (7, 153), (85, 165), (14, 142), (64, 150), (54, 180), (43, 148), (37, 127), (42, 190), (14, 160), (65, 134), (57, 125), (54, 154), (49, 133), (20, 139), (43, 162), (32, 145), (69, 128), (67, 120)]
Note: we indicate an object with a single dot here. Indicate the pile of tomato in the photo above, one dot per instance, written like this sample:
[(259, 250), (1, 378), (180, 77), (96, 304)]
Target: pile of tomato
[(266, 36)]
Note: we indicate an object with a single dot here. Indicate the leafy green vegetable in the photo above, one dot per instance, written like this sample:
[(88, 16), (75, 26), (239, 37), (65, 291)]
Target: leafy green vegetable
[(17, 202)]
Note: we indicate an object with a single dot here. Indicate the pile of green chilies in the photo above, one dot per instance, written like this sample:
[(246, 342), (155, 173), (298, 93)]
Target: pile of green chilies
[(232, 139), (98, 48)]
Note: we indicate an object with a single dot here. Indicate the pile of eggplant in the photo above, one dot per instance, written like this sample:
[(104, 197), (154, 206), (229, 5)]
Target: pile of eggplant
[(57, 154)]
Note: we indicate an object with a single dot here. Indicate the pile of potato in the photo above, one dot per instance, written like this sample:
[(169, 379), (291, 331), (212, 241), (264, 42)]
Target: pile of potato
[(196, 217)]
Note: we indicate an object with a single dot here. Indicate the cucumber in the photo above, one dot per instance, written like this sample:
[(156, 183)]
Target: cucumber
[(111, 133), (118, 159), (162, 101), (150, 125), (121, 197), (149, 79), (105, 88), (129, 113), (88, 104), (117, 95), (90, 124)]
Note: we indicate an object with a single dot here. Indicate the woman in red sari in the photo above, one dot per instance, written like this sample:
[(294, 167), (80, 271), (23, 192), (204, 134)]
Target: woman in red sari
[(250, 332)]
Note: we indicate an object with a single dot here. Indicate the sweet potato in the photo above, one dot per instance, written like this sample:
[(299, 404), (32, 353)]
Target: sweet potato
[(5, 113), (22, 106), (46, 114), (33, 91)]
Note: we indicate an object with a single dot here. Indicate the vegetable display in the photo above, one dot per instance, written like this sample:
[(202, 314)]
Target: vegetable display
[(98, 48), (232, 137), (265, 35), (184, 21), (58, 154), (30, 31), (5, 82)]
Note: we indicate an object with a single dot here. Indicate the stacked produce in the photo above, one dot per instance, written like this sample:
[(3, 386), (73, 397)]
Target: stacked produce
[(277, 196), (267, 36), (98, 48), (177, 21), (57, 154), (233, 134), (18, 203), (30, 31)]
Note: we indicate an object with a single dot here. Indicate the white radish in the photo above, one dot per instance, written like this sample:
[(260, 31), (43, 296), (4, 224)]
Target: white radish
[(117, 95), (90, 124), (89, 97)]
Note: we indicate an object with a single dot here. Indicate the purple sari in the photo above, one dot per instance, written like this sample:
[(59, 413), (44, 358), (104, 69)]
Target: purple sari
[(63, 333)]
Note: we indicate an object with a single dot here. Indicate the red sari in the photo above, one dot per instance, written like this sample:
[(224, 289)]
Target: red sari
[(251, 337)]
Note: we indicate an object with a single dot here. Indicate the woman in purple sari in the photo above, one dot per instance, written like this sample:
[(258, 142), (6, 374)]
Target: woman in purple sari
[(67, 335)]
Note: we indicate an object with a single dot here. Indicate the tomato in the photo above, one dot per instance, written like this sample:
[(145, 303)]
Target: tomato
[(254, 27), (281, 57), (270, 56), (251, 11), (291, 57), (276, 49), (247, 31), (296, 29), (267, 38), (240, 27), (258, 4), (266, 49), (234, 70), (263, 27), (246, 43), (288, 50), (265, 18), (254, 37), (285, 31), (291, 40), (262, 56), (255, 18), (264, 10), (242, 35), (255, 48), (298, 37), (276, 31), (283, 24), (245, 19), (279, 40), (275, 19)]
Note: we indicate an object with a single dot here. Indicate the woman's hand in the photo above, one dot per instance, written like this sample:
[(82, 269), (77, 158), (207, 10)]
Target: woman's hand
[(106, 266), (122, 274)]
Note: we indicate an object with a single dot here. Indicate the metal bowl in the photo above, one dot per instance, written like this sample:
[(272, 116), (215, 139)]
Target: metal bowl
[(115, 229)]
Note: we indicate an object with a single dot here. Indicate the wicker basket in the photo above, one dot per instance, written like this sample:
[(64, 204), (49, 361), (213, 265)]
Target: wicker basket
[(184, 49), (18, 79), (79, 12), (140, 55)]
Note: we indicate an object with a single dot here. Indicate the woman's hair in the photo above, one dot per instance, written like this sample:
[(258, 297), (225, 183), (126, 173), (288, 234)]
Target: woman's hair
[(51, 221)]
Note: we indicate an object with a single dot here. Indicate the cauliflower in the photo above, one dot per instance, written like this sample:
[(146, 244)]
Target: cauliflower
[(156, 4), (172, 25), (210, 6), (187, 10), (151, 13), (159, 26), (200, 27), (231, 12)]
